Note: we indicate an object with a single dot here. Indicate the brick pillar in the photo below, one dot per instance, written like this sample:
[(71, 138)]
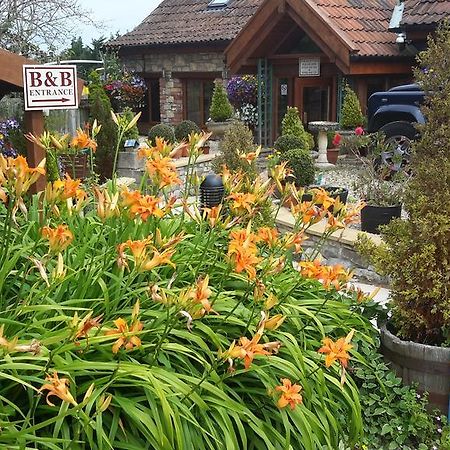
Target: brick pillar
[(171, 99)]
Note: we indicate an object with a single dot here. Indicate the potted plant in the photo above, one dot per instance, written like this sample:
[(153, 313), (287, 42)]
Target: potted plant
[(242, 92), (334, 141), (220, 112), (351, 115), (416, 251), (381, 190)]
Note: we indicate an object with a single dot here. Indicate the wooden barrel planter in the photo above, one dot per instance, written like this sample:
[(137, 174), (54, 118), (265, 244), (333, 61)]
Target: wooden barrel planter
[(426, 365)]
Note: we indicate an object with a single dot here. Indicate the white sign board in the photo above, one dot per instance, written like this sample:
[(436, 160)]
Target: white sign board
[(50, 87), (309, 67)]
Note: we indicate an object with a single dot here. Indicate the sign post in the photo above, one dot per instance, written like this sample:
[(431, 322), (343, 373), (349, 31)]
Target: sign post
[(50, 87)]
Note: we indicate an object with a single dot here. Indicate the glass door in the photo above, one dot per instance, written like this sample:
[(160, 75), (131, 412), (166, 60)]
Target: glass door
[(313, 98)]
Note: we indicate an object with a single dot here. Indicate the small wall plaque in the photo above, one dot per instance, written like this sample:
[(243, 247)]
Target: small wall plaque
[(309, 67)]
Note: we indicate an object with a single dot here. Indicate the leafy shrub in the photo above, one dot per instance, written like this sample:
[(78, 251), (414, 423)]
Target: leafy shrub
[(292, 125), (184, 129), (221, 109), (395, 416), (162, 131), (416, 254), (351, 114), (301, 163), (289, 142), (238, 140), (100, 110)]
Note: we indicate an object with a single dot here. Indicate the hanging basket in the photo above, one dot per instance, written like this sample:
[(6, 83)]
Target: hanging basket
[(76, 166)]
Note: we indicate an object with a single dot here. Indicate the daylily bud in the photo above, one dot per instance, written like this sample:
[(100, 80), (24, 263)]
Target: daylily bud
[(275, 322)]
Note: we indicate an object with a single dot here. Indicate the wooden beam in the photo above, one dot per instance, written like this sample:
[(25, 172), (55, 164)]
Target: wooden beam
[(379, 68), (321, 33), (250, 37), (34, 123)]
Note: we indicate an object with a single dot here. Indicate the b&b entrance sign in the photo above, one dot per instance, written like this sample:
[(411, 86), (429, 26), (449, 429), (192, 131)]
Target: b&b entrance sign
[(50, 87)]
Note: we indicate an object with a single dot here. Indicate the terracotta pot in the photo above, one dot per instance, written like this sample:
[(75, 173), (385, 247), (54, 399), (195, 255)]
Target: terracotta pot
[(184, 152), (205, 150), (427, 365), (332, 155)]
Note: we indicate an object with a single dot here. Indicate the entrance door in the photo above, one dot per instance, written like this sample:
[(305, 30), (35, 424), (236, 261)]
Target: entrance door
[(313, 98)]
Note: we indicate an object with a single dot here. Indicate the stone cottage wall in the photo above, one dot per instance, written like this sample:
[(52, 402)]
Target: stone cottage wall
[(170, 65)]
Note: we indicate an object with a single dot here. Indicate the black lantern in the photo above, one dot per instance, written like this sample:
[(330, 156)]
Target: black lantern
[(211, 191)]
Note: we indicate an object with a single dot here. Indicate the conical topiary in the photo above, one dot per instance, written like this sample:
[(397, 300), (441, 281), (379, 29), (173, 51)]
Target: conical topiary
[(292, 125), (221, 109), (351, 114)]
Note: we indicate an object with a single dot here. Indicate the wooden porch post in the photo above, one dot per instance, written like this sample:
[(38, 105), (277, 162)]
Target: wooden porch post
[(34, 123)]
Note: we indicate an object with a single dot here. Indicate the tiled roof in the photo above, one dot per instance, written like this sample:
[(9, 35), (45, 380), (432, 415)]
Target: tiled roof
[(425, 12), (364, 23), (190, 21)]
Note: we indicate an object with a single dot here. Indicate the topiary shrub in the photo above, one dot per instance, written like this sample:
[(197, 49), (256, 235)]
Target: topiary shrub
[(184, 129), (238, 139), (221, 109), (416, 254), (100, 109), (351, 114), (289, 142), (292, 125), (162, 131), (301, 163)]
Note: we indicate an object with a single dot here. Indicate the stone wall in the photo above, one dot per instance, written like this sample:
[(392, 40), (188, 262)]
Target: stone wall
[(171, 100), (168, 65)]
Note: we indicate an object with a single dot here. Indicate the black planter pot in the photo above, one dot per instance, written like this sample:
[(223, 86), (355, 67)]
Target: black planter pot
[(374, 216)]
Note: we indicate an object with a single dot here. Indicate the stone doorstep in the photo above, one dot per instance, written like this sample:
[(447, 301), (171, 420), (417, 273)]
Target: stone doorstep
[(348, 236)]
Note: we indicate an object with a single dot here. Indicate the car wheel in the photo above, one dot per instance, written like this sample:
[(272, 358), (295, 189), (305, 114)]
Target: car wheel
[(399, 137)]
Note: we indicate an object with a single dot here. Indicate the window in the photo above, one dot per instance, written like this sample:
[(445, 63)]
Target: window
[(198, 95), (217, 3), (151, 111)]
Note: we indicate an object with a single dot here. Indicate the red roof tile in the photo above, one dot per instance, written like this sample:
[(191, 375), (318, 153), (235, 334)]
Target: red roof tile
[(361, 22), (364, 23), (425, 12), (190, 21)]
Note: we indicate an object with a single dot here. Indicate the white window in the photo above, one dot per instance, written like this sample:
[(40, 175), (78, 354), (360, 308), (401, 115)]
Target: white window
[(217, 3)]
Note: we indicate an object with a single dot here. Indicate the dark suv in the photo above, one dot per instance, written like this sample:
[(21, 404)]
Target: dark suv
[(395, 113)]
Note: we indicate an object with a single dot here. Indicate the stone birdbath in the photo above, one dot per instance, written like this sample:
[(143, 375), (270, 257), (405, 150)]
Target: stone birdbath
[(322, 129)]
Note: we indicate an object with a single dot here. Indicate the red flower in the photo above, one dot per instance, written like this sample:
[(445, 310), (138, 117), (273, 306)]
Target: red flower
[(337, 140), (359, 131)]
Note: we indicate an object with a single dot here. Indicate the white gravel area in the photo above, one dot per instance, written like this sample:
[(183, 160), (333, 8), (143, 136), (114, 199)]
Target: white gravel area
[(343, 174)]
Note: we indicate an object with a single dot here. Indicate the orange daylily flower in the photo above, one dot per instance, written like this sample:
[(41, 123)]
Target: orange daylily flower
[(242, 200), (59, 238), (86, 325), (242, 251), (142, 205), (247, 349), (321, 197), (162, 169), (159, 259), (200, 295), (128, 338), (290, 394), (212, 215), (295, 240), (274, 322), (107, 204), (307, 212), (336, 276), (58, 387), (337, 351), (82, 140), (62, 190), (251, 156), (268, 235)]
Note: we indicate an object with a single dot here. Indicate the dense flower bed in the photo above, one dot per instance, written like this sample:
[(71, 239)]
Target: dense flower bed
[(6, 146), (132, 320), (126, 92)]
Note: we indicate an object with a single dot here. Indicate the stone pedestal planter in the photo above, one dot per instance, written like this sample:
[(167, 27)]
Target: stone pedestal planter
[(218, 129), (129, 165), (322, 129), (426, 365)]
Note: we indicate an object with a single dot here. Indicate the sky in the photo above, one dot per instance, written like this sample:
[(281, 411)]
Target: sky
[(117, 15)]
